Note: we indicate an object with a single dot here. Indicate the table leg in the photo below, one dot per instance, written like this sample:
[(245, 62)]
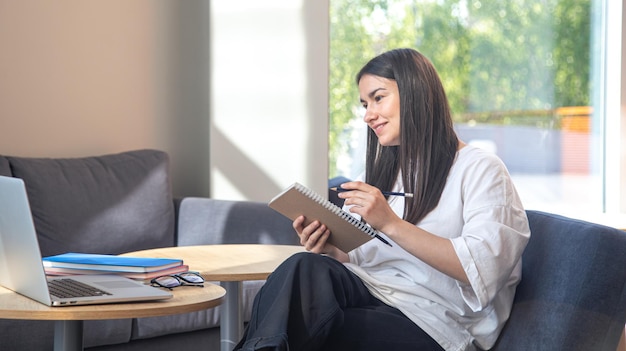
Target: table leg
[(231, 316), (68, 335)]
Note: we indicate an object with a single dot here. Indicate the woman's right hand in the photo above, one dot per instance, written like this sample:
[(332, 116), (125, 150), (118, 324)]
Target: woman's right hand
[(314, 238)]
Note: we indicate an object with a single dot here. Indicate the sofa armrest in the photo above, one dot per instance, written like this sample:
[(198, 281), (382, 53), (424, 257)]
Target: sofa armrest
[(573, 290), (205, 221)]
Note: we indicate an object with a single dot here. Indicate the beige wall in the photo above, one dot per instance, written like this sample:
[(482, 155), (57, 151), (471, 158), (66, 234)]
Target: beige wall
[(80, 78)]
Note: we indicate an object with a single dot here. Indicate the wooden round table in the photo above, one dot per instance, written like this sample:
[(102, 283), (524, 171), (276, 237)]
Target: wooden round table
[(68, 329), (231, 265)]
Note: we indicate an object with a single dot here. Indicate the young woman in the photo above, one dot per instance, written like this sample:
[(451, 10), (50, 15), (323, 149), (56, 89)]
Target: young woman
[(449, 278)]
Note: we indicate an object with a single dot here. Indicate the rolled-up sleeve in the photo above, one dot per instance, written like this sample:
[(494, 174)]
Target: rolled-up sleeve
[(494, 235)]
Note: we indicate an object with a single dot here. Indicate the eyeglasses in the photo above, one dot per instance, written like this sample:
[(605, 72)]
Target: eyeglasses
[(174, 280)]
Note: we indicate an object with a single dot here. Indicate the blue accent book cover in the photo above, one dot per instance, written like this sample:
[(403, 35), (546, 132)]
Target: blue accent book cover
[(110, 262)]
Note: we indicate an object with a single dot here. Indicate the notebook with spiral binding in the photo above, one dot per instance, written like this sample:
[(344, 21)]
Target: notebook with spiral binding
[(347, 232)]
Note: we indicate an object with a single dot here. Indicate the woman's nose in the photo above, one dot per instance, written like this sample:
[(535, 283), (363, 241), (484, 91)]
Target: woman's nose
[(369, 115)]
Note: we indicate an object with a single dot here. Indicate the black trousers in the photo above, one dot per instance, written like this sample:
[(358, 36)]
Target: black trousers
[(312, 302)]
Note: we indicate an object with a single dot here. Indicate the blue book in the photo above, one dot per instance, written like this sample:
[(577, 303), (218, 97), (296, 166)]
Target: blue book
[(110, 262)]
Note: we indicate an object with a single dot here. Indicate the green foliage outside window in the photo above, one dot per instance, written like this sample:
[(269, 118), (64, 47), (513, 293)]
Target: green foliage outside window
[(507, 62)]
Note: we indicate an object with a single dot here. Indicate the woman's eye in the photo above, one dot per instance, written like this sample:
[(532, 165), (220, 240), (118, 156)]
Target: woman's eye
[(378, 98)]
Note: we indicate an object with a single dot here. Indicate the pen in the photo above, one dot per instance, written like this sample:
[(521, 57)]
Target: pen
[(386, 193), (382, 239)]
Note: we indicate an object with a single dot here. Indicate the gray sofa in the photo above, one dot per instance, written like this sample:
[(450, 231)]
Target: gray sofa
[(120, 203), (572, 296)]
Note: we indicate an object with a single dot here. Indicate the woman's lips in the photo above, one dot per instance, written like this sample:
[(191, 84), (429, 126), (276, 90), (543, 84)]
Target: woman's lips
[(378, 128)]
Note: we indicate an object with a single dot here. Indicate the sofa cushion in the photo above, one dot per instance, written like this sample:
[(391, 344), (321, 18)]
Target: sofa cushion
[(180, 323), (203, 221), (28, 335), (106, 332), (5, 169), (104, 204)]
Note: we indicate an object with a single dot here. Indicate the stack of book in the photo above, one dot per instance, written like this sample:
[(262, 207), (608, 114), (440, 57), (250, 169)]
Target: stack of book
[(131, 267)]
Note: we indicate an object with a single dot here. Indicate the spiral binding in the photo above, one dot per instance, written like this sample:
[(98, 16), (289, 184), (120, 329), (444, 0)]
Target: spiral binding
[(335, 209)]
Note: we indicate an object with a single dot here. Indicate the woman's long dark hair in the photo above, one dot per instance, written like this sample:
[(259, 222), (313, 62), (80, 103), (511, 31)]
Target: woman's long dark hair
[(428, 143)]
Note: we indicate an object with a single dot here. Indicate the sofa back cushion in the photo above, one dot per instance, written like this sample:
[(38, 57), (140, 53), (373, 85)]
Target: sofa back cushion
[(5, 169), (104, 204), (203, 221)]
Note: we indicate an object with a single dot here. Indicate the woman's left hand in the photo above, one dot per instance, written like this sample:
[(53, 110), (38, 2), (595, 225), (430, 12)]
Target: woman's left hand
[(368, 202)]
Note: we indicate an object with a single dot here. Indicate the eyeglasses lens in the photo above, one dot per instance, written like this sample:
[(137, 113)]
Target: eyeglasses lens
[(192, 278), (167, 281)]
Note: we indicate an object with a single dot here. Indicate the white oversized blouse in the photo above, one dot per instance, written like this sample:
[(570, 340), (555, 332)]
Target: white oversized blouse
[(482, 215)]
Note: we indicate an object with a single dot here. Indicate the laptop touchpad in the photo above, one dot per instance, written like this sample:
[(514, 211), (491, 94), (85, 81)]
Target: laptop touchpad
[(117, 284)]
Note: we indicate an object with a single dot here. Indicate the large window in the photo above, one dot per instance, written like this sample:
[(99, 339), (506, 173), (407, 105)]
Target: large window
[(522, 78)]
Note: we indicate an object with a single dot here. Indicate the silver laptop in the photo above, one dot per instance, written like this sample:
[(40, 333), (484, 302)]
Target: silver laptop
[(21, 269)]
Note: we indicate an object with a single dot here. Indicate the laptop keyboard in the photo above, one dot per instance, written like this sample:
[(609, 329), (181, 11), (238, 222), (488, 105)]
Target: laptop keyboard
[(67, 288)]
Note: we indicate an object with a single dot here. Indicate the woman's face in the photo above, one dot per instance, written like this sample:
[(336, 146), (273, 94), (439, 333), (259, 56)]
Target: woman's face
[(381, 100)]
